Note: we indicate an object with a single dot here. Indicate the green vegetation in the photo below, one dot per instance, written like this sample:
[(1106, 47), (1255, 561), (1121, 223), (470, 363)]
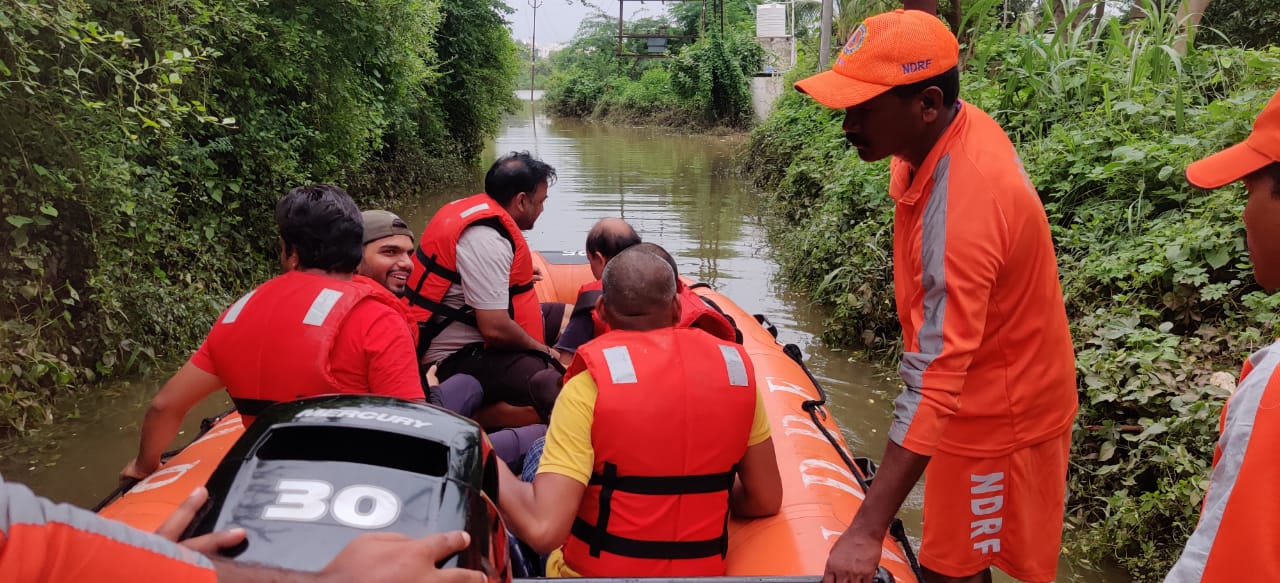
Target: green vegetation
[(704, 84), (1156, 275), (527, 66), (145, 144)]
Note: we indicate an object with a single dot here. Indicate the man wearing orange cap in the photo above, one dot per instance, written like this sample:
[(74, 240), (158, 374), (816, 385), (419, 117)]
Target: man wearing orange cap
[(1238, 531), (988, 368)]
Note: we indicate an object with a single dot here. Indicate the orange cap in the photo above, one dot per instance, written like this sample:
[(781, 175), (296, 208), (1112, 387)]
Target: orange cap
[(885, 51), (1261, 148)]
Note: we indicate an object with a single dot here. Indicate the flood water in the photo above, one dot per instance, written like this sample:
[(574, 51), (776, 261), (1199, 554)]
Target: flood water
[(678, 191)]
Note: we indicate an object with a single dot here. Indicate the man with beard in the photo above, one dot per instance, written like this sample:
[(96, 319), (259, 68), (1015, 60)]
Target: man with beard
[(386, 266)]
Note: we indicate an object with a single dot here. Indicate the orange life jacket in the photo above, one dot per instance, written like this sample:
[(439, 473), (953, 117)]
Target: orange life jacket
[(273, 343), (393, 300), (672, 419), (435, 268), (695, 312), (1237, 520)]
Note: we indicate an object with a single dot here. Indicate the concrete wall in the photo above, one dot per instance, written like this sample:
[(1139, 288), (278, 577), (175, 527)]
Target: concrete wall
[(764, 91)]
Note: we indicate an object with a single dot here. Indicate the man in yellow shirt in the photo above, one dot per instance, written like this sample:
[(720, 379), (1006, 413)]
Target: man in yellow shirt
[(657, 435)]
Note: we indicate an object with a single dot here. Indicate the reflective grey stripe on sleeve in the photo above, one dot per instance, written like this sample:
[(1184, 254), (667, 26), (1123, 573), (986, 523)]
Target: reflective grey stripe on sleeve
[(733, 363), (18, 505), (933, 256), (1242, 412), (234, 311), (321, 307), (618, 360)]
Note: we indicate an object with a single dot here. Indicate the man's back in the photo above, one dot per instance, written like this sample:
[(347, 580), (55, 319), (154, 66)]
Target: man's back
[(301, 335), (658, 419)]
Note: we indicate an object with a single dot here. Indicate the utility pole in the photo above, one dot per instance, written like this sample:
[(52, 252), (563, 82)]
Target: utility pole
[(533, 50), (824, 40)]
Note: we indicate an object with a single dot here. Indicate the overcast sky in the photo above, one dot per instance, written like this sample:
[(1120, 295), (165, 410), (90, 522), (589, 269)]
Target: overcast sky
[(558, 19)]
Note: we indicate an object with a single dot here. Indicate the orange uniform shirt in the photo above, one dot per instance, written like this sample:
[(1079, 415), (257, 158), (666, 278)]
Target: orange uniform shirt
[(1239, 528), (57, 543), (988, 364)]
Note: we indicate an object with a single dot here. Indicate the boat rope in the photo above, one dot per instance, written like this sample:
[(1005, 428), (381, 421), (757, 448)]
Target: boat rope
[(817, 412)]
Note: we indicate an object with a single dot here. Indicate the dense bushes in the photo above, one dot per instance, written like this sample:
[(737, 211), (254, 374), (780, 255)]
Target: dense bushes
[(145, 144), (1156, 276), (704, 84)]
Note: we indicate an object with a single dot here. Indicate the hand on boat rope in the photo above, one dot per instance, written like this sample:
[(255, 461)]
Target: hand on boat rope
[(855, 558)]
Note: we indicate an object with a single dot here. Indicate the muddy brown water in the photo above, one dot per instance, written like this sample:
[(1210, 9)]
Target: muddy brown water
[(678, 191)]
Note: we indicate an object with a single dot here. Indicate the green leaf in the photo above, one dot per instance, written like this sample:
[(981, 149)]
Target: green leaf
[(1218, 257), (18, 221), (49, 209), (1107, 450)]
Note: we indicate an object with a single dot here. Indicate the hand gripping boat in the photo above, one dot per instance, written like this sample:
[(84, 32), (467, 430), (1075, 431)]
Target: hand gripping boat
[(311, 475)]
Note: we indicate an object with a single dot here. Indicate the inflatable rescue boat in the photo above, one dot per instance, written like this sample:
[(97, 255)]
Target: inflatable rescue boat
[(309, 476)]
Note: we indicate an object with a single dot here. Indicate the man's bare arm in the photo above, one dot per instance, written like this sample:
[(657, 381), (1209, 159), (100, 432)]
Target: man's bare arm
[(541, 513), (758, 490)]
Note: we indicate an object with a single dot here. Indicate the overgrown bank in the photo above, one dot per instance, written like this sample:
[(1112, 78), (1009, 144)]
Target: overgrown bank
[(146, 143), (1156, 275), (703, 84)]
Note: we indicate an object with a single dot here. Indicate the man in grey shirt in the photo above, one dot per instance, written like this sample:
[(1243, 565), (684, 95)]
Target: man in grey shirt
[(473, 274)]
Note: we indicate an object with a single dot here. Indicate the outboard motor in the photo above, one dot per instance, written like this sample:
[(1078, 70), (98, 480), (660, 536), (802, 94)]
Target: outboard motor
[(309, 476)]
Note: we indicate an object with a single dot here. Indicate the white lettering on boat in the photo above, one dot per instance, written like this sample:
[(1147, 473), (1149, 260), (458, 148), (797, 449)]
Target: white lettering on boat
[(163, 478), (983, 507), (777, 384), (809, 470), (797, 425), (365, 415)]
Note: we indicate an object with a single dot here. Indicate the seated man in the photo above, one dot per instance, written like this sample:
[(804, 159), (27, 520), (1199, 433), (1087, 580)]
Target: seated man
[(472, 290), (386, 266), (387, 259), (308, 332), (658, 434), (605, 240)]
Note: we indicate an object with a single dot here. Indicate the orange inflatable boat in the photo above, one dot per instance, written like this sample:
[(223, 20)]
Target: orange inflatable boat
[(823, 484)]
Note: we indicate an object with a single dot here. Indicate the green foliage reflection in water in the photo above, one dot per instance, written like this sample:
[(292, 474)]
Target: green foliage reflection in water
[(1156, 275), (145, 145)]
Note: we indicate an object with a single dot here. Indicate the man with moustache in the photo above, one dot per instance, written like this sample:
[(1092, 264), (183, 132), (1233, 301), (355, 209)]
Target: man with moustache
[(388, 250), (386, 267), (988, 368)]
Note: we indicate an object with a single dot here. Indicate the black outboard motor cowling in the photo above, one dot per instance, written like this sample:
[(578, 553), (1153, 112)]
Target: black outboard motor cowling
[(309, 476)]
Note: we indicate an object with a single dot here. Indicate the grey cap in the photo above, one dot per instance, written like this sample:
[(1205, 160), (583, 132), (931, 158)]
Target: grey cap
[(380, 224)]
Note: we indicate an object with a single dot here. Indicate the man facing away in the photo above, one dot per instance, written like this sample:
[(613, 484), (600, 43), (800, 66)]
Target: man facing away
[(311, 331), (606, 239), (657, 435), (472, 288), (988, 367), (1239, 528)]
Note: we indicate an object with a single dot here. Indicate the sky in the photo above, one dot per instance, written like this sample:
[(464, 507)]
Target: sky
[(558, 19)]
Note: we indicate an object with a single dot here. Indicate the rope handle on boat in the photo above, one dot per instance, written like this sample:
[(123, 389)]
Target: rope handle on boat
[(816, 407), (127, 484)]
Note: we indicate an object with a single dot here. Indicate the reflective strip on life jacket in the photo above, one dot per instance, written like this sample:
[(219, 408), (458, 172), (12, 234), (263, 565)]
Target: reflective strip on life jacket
[(651, 386)]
